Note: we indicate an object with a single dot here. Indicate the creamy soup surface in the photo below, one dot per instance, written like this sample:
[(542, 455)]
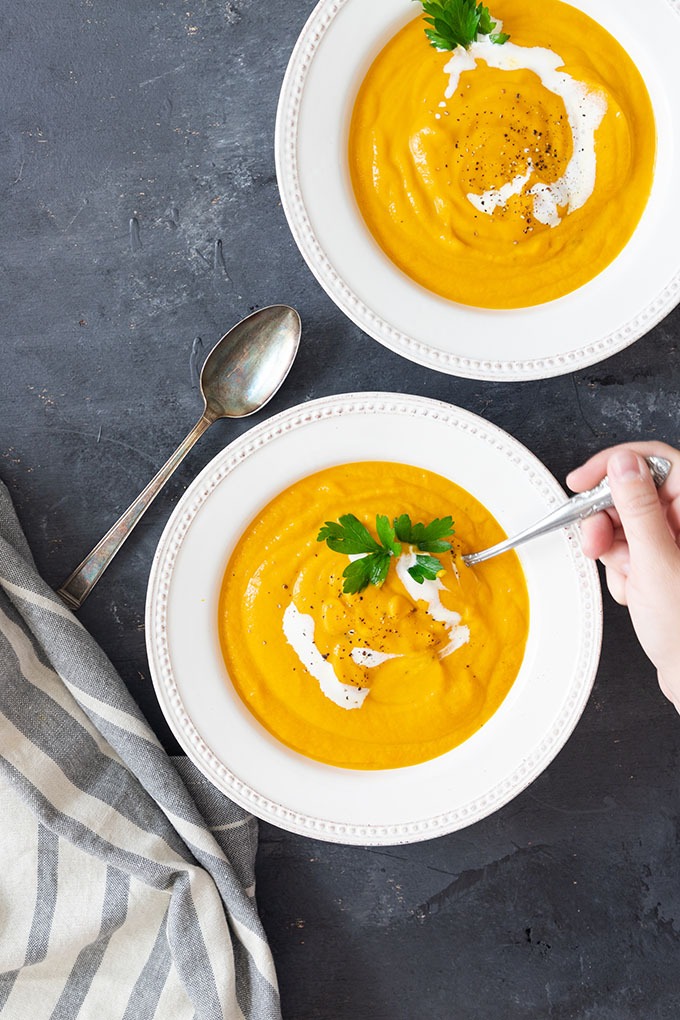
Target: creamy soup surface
[(504, 176), (387, 677)]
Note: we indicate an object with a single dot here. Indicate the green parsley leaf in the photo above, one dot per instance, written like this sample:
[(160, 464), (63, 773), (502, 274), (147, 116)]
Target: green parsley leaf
[(458, 23), (426, 568), (387, 535), (486, 25), (379, 566), (403, 527), (357, 575), (349, 536), (430, 538)]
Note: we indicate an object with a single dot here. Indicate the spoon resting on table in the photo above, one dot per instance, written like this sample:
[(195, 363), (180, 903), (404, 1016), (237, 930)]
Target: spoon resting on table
[(580, 506), (240, 375)]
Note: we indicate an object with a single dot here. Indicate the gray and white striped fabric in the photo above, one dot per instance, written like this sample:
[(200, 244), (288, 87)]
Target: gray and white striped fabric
[(126, 880)]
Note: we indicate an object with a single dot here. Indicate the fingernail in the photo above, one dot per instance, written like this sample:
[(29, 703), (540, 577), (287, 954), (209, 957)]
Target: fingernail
[(625, 466)]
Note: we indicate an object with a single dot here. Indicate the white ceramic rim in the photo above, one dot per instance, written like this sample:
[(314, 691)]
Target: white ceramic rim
[(386, 807), (606, 315)]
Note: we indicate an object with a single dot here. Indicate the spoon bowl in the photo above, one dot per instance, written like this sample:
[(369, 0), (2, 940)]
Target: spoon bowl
[(240, 375), (249, 364)]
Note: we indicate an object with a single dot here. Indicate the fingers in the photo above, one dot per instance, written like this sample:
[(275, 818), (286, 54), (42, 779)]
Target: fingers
[(643, 518), (616, 562), (617, 559), (669, 690), (597, 535), (666, 690), (617, 587), (638, 542), (601, 541), (673, 517), (653, 520), (594, 470)]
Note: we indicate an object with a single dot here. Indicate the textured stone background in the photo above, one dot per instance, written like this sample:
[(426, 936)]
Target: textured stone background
[(140, 219)]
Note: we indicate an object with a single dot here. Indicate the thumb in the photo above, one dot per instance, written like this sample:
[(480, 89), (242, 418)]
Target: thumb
[(638, 505)]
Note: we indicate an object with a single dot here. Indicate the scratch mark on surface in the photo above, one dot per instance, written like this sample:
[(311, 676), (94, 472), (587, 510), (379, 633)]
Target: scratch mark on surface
[(173, 216), (386, 853), (57, 504), (99, 434), (135, 235), (219, 265), (194, 358), (76, 215), (580, 407), (150, 81), (20, 173), (608, 805), (138, 451), (201, 256), (467, 879)]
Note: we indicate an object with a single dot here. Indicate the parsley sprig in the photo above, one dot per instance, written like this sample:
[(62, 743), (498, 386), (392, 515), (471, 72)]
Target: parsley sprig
[(458, 23), (349, 536)]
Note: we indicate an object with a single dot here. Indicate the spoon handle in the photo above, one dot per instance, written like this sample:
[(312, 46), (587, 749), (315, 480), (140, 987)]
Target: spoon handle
[(580, 506), (78, 586)]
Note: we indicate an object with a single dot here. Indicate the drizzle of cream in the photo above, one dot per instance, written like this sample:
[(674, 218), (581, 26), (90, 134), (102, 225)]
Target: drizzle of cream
[(370, 658), (428, 591), (584, 107), (299, 632)]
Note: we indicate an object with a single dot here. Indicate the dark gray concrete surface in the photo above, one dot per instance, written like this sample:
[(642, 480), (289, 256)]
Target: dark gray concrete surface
[(140, 219)]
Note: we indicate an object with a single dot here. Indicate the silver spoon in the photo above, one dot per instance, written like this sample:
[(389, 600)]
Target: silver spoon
[(580, 506), (242, 372)]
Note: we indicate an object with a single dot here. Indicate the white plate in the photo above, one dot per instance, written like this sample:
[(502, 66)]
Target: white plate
[(624, 302), (392, 806)]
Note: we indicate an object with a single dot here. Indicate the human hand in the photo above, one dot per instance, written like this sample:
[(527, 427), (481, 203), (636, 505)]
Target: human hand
[(637, 541)]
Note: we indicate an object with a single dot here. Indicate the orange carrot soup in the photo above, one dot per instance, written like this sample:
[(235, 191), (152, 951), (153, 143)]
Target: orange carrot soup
[(506, 174), (397, 672)]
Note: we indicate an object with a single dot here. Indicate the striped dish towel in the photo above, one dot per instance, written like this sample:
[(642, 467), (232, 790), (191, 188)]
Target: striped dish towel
[(126, 879)]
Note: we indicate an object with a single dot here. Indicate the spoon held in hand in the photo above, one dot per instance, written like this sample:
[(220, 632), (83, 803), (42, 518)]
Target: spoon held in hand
[(580, 506), (240, 375)]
